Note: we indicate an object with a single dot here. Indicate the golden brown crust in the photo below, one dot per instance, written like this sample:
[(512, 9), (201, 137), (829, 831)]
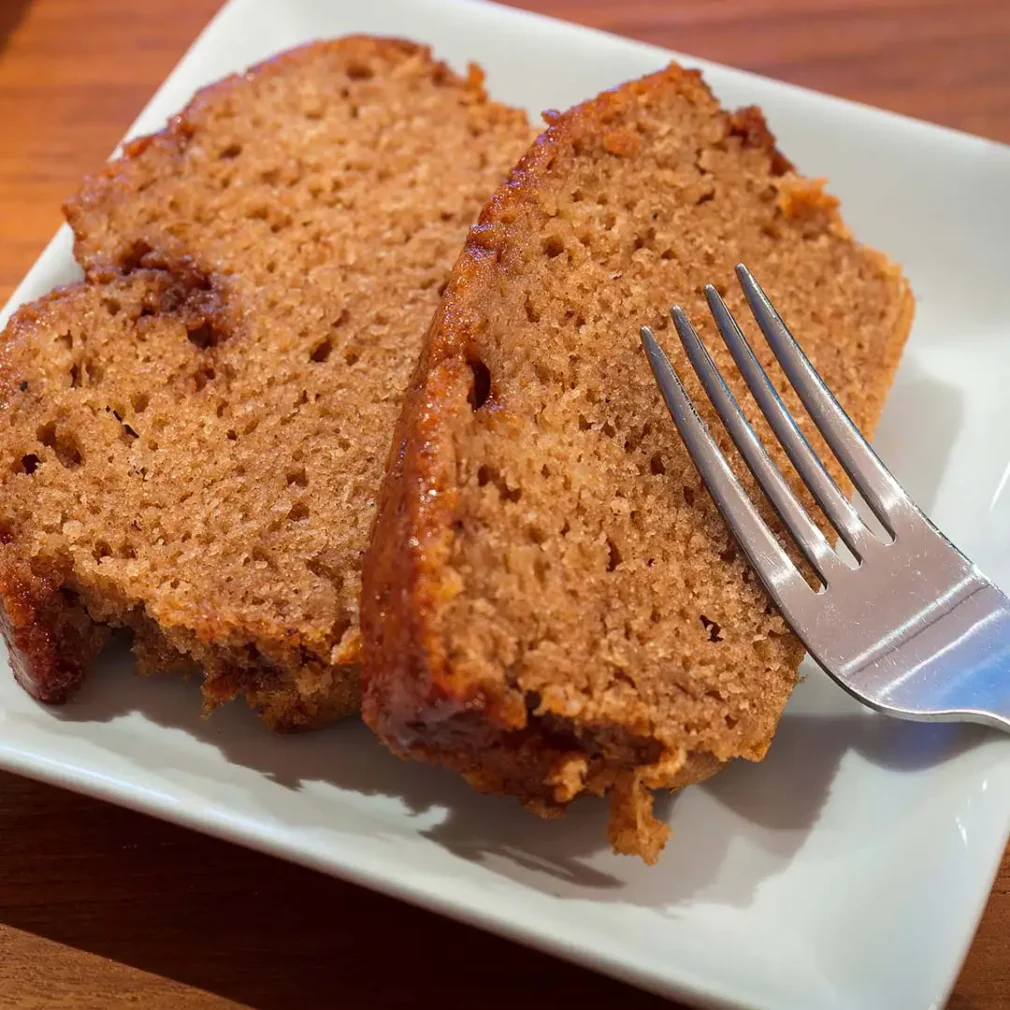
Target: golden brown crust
[(420, 692), (50, 638)]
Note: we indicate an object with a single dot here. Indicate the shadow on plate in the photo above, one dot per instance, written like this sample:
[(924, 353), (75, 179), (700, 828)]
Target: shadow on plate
[(769, 807), (932, 412)]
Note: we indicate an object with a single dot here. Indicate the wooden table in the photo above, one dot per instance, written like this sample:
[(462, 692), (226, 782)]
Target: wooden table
[(101, 908)]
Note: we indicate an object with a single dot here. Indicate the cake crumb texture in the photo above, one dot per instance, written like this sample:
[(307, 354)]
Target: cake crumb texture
[(552, 604), (192, 439)]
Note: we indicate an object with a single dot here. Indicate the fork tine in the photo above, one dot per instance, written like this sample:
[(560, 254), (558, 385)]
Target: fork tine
[(775, 568), (869, 475), (842, 516), (808, 537)]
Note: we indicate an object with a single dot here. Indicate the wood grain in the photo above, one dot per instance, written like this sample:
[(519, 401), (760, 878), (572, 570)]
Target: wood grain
[(101, 908)]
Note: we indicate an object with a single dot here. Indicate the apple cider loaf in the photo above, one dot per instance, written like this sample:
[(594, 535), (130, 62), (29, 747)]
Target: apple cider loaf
[(552, 604), (193, 439)]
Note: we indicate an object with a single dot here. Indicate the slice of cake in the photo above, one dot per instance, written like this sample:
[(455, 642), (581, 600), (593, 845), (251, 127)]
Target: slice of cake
[(192, 441), (552, 604)]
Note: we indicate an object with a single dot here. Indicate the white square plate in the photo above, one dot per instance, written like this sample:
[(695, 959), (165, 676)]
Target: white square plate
[(847, 870)]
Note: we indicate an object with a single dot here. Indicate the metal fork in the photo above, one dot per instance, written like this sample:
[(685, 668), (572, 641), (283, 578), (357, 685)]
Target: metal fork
[(914, 631)]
